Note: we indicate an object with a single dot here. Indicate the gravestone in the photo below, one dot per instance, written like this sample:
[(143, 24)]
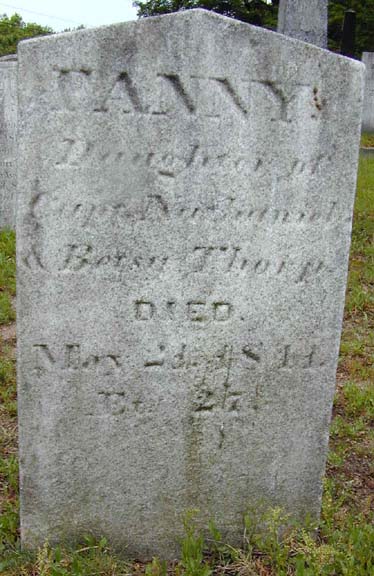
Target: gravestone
[(8, 140), (183, 235), (305, 20), (368, 111)]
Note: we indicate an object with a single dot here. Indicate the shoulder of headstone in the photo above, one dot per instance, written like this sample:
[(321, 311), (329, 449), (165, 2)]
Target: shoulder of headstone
[(200, 14), (9, 58)]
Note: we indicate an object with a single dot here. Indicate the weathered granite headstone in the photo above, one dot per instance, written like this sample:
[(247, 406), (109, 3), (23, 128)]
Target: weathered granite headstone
[(8, 140), (368, 111), (305, 20), (183, 235)]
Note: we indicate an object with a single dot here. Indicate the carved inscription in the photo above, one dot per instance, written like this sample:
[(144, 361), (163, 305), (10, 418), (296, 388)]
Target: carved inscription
[(213, 373), (87, 215), (120, 402), (200, 259), (167, 163), (228, 258), (81, 256), (207, 96), (72, 359), (7, 173), (186, 358), (250, 356), (194, 310)]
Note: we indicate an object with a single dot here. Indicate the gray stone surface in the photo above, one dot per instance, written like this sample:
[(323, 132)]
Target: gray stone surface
[(305, 20), (368, 111), (9, 58), (8, 140), (183, 236)]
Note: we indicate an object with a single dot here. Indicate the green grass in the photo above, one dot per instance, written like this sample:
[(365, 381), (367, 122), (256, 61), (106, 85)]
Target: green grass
[(367, 140), (7, 276), (343, 544)]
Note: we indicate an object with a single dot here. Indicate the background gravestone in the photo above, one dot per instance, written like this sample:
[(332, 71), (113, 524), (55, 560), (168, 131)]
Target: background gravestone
[(8, 140), (368, 111), (183, 235), (305, 20)]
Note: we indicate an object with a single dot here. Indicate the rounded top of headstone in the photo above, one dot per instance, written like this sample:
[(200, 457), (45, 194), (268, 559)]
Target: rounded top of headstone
[(161, 25)]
